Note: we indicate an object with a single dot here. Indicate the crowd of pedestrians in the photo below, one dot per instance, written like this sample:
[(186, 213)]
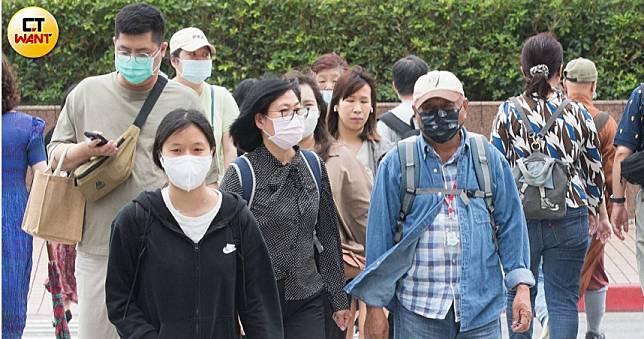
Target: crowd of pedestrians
[(290, 209)]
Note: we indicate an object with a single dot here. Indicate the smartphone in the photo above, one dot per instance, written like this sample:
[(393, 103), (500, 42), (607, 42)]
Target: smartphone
[(96, 135)]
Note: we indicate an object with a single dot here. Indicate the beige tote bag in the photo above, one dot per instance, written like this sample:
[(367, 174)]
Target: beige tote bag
[(55, 208)]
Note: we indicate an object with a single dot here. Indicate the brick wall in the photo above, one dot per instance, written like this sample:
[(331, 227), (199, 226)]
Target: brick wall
[(479, 119)]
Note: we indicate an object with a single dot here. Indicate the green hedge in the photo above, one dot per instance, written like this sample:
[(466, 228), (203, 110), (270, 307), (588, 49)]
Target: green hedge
[(480, 41)]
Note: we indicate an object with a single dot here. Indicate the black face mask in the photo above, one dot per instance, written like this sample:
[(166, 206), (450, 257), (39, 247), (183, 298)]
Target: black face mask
[(440, 125)]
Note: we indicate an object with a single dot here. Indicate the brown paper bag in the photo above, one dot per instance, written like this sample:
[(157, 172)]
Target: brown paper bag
[(55, 208)]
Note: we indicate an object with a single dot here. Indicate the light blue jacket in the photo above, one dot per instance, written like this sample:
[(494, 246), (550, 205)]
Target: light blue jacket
[(482, 278)]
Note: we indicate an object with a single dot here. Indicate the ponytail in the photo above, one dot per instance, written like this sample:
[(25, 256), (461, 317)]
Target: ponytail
[(541, 59)]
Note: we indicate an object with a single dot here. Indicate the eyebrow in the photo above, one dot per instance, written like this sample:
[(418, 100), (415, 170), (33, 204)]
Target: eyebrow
[(127, 49)]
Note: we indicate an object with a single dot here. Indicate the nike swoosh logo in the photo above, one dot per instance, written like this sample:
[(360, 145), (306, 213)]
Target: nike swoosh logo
[(229, 248)]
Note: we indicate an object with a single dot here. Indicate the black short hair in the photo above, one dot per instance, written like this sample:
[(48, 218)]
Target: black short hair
[(139, 19), (406, 71), (176, 121), (246, 136)]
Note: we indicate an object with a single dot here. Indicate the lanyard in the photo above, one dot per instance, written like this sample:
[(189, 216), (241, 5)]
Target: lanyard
[(449, 200)]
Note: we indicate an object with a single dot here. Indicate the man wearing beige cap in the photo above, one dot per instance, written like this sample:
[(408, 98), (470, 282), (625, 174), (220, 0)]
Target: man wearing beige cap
[(580, 84), (432, 253), (191, 55)]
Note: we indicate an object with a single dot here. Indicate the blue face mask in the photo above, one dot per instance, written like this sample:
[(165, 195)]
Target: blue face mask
[(196, 71), (327, 94), (134, 70)]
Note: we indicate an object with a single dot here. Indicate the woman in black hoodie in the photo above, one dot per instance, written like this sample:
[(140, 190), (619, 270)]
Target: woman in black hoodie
[(187, 260)]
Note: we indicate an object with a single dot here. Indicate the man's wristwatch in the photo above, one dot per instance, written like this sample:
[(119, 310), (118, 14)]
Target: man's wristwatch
[(616, 200)]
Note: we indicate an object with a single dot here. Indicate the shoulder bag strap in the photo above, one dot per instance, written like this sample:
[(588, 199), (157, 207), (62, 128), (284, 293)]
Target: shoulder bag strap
[(150, 101)]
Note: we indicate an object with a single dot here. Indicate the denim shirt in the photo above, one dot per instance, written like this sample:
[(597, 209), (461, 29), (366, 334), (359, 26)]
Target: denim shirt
[(483, 267)]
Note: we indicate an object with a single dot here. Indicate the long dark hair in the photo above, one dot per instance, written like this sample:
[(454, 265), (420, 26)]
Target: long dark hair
[(323, 139), (348, 83), (538, 51)]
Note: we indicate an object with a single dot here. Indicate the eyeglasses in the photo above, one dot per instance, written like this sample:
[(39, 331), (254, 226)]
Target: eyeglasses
[(139, 58), (290, 113)]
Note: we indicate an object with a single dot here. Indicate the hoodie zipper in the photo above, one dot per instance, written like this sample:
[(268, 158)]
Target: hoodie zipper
[(197, 290)]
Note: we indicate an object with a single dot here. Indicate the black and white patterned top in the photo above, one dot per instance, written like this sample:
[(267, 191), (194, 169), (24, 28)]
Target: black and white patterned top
[(286, 206)]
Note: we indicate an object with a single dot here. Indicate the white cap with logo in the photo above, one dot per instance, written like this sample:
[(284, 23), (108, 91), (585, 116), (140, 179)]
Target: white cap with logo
[(189, 39), (437, 84)]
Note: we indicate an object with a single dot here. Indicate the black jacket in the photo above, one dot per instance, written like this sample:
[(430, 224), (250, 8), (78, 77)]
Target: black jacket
[(188, 290)]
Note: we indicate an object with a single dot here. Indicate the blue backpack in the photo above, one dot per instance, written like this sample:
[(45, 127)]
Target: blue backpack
[(246, 175)]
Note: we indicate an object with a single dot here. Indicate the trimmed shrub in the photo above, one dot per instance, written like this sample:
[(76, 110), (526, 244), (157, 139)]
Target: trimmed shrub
[(479, 41)]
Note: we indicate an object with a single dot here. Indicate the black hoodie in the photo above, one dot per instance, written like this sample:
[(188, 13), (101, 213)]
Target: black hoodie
[(188, 290)]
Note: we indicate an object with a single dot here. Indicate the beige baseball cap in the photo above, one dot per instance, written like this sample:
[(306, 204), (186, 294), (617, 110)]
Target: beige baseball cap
[(580, 70), (437, 84), (189, 39)]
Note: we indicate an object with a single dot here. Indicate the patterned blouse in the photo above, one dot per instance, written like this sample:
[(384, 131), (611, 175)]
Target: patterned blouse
[(286, 206), (572, 139)]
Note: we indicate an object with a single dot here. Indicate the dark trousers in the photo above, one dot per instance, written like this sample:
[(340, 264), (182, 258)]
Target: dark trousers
[(332, 329), (303, 318)]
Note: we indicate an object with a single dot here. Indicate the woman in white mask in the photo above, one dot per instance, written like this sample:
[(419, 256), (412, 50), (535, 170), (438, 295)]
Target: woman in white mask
[(315, 137), (188, 259), (289, 194), (350, 184), (191, 57)]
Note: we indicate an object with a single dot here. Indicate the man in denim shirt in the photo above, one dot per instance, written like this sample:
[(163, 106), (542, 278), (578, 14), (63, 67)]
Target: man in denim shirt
[(444, 279)]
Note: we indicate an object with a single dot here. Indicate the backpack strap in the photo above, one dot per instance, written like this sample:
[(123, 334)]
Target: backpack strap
[(246, 176), (410, 170), (484, 177), (600, 120), (315, 168), (400, 127), (212, 105), (524, 117), (553, 118)]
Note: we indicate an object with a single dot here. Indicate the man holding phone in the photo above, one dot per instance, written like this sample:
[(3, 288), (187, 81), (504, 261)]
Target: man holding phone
[(110, 103)]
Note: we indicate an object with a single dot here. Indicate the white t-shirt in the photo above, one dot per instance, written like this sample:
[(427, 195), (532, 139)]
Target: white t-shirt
[(193, 227)]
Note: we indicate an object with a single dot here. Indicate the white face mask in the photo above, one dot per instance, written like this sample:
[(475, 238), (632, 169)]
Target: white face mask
[(287, 132), (327, 94), (196, 71), (186, 172), (311, 122)]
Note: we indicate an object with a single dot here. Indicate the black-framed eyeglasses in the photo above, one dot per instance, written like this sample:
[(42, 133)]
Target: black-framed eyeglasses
[(290, 113)]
